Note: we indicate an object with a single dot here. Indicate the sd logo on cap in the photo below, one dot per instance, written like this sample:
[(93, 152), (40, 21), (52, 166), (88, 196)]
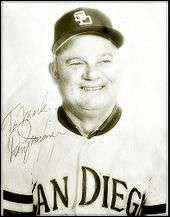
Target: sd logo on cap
[(82, 18)]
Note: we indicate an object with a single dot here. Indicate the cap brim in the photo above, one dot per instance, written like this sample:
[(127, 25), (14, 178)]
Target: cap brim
[(115, 36)]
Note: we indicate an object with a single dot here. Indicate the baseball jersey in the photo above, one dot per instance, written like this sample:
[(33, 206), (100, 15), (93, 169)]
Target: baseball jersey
[(49, 168)]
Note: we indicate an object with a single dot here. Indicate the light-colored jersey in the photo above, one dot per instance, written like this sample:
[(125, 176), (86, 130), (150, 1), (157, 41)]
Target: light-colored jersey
[(120, 172)]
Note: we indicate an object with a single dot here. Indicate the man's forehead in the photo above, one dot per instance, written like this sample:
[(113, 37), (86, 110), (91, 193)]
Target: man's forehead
[(87, 42)]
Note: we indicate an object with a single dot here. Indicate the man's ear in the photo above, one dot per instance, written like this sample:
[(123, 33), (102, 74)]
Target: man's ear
[(53, 71)]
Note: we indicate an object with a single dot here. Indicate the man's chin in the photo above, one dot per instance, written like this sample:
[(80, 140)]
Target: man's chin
[(91, 107)]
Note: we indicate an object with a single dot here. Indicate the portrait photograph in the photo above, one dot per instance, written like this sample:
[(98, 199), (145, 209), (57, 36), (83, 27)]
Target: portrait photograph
[(84, 119)]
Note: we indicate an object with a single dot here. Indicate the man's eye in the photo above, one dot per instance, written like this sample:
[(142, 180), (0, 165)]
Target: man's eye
[(105, 61), (75, 63)]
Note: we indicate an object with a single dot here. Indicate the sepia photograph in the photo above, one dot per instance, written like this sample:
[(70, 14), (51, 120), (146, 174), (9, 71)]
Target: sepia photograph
[(84, 108)]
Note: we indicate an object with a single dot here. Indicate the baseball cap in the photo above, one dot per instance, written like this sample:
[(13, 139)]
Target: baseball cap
[(84, 21)]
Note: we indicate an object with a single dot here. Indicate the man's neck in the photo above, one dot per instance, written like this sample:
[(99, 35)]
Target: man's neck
[(88, 123)]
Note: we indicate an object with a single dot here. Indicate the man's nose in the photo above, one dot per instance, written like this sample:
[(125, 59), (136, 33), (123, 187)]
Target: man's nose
[(91, 73)]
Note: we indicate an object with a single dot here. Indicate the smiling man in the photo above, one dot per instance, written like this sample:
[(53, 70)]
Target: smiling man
[(97, 164), (84, 71)]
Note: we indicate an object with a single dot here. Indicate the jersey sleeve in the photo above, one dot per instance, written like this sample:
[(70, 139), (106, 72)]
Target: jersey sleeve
[(156, 194), (18, 157)]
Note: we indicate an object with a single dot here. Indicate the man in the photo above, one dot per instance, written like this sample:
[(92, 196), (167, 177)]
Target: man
[(88, 161)]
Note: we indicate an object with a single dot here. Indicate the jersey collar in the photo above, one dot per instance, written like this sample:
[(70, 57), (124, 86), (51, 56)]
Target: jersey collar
[(107, 125)]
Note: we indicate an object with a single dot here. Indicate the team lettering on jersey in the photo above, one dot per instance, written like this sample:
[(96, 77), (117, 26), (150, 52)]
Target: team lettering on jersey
[(131, 208)]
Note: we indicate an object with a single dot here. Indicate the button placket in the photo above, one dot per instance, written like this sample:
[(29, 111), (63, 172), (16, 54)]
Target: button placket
[(82, 159)]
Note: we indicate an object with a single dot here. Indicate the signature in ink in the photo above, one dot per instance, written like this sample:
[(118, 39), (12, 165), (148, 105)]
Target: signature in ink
[(22, 114), (18, 123)]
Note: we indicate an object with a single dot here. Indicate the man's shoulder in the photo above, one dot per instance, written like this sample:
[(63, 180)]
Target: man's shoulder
[(144, 142)]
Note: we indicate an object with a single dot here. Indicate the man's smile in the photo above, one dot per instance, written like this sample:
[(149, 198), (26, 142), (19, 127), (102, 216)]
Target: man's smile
[(92, 88)]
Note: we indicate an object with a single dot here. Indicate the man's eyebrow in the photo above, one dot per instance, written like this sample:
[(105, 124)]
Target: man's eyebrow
[(107, 54), (72, 58)]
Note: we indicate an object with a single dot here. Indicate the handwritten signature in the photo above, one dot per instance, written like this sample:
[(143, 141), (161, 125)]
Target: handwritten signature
[(18, 123)]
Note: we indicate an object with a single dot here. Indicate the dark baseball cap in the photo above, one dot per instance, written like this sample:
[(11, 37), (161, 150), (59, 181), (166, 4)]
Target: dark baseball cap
[(84, 21)]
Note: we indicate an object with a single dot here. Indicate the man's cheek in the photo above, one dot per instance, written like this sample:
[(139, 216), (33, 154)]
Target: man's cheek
[(113, 80), (64, 81), (68, 88)]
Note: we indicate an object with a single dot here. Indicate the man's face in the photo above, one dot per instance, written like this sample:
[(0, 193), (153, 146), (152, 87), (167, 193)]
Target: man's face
[(86, 73)]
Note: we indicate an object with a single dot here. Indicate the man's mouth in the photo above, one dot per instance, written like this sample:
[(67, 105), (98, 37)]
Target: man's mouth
[(91, 88)]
